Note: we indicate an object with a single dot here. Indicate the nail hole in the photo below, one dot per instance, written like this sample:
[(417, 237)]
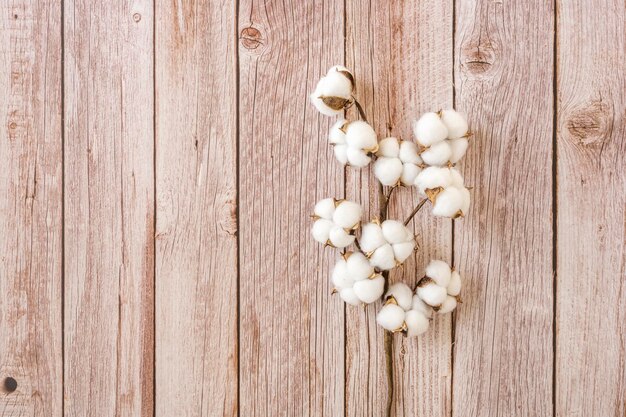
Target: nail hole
[(10, 384)]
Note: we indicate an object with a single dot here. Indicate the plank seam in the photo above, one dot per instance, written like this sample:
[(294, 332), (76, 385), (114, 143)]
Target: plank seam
[(154, 210), (238, 202), (554, 201), (62, 207)]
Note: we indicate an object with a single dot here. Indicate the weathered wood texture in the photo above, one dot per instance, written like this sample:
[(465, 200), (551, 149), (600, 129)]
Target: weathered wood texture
[(591, 207), (31, 198), (503, 350), (403, 66), (196, 244), (292, 329), (109, 208)]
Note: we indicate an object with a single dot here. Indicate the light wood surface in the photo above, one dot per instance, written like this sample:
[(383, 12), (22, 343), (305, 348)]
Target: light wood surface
[(159, 162)]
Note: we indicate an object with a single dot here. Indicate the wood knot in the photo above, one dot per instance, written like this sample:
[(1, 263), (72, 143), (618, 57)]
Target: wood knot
[(589, 125), (137, 17), (9, 384), (478, 59), (250, 38)]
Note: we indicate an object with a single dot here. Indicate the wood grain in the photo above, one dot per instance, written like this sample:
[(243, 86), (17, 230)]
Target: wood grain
[(503, 349), (292, 336), (109, 201), (404, 68), (591, 206), (196, 273), (31, 198)]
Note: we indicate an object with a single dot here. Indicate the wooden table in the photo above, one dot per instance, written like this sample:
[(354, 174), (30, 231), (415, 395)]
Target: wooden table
[(159, 160)]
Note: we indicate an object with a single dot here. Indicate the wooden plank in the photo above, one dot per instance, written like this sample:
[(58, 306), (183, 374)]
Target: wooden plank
[(503, 351), (109, 215), (196, 274), (403, 67), (292, 339), (31, 364), (591, 206)]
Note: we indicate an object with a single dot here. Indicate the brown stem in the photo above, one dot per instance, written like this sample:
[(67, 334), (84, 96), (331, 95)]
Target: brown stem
[(415, 210), (360, 109)]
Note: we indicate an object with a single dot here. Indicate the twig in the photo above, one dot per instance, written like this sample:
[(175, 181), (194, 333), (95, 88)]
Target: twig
[(360, 109), (415, 210)]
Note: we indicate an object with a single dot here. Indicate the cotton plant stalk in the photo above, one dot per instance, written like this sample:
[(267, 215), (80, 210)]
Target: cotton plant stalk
[(369, 249)]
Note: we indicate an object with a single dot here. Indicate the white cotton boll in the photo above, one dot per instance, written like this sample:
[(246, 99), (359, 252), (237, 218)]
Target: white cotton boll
[(336, 85), (340, 68), (431, 178), (395, 231), (348, 295), (325, 208), (437, 154), (454, 287), (341, 276), (388, 170), (361, 135), (359, 266), (339, 237), (455, 122), (456, 179), (347, 214), (458, 147), (402, 293), (390, 317), (439, 271), (321, 230), (336, 135), (371, 237), (403, 250), (466, 200), (429, 129), (369, 290), (341, 153), (448, 203), (409, 173), (416, 323), (419, 305), (408, 153), (389, 147), (316, 99), (432, 294), (383, 258), (448, 305), (357, 157)]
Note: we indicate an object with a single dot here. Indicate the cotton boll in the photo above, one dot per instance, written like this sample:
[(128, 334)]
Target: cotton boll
[(431, 178), (341, 276), (383, 258), (357, 157), (437, 154), (448, 203), (369, 290), (429, 129), (361, 135), (388, 170), (339, 237), (403, 250), (325, 208), (455, 122), (448, 305), (395, 231), (431, 293), (416, 323), (321, 230), (419, 305), (389, 147), (336, 84), (454, 287), (466, 200), (456, 179), (347, 214), (409, 153), (341, 153), (439, 271), (458, 147), (359, 266), (371, 237), (402, 294), (409, 173), (390, 317), (348, 295), (316, 99), (343, 71), (336, 135)]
